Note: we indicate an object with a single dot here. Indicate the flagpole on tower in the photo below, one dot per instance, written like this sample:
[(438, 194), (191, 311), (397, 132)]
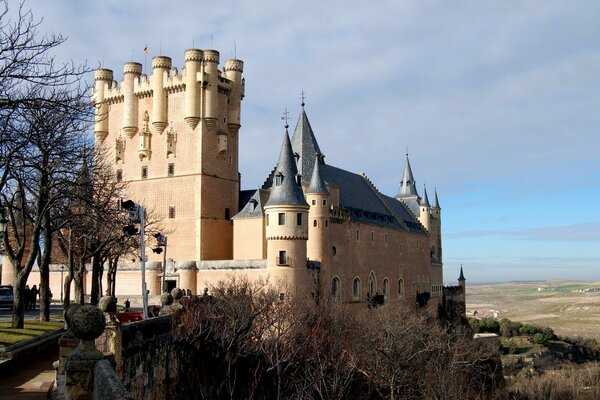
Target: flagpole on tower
[(145, 57)]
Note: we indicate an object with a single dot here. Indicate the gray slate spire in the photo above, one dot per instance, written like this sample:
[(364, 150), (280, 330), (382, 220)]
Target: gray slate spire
[(407, 184), (317, 184), (424, 200), (305, 144), (285, 189), (436, 203), (461, 277)]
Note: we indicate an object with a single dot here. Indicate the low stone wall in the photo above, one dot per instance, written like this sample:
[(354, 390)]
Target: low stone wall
[(107, 385), (147, 364)]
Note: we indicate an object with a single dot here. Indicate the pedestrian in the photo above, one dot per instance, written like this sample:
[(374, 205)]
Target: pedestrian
[(27, 297), (33, 298)]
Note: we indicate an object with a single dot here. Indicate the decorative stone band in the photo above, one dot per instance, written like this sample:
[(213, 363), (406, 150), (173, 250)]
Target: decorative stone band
[(193, 55), (232, 264), (186, 265), (161, 62), (132, 68), (234, 65), (287, 237), (103, 74), (211, 56)]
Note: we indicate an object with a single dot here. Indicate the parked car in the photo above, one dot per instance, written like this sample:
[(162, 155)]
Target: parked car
[(6, 296)]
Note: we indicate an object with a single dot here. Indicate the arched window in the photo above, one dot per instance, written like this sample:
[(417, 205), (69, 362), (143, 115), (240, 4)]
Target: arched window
[(401, 288), (335, 287), (356, 289), (386, 288), (372, 284)]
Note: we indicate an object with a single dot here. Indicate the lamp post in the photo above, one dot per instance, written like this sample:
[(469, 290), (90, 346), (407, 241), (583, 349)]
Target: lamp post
[(137, 216), (62, 282), (162, 242)]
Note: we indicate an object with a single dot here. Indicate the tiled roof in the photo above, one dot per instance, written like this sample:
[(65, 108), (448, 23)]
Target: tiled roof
[(286, 192), (305, 145), (254, 205), (317, 184)]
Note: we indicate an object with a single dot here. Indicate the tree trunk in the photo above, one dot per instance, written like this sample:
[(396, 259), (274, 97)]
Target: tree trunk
[(78, 280), (18, 316), (96, 276), (44, 265)]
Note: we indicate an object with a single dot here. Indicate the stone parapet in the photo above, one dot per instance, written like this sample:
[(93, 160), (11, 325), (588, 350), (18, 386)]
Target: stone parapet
[(233, 264)]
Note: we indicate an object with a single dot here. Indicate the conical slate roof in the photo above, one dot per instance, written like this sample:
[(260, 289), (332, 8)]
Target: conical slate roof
[(407, 184), (285, 189), (317, 184), (436, 203), (306, 146), (424, 200)]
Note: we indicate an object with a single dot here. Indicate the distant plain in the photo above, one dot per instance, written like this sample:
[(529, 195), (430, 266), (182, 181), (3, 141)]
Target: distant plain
[(562, 305)]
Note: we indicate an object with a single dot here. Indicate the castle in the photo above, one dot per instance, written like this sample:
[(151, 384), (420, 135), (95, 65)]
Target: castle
[(173, 136)]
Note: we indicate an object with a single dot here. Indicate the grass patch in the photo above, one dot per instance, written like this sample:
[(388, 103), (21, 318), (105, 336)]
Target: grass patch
[(32, 328)]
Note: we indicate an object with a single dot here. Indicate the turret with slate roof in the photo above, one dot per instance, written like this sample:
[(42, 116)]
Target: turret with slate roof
[(407, 184), (317, 196), (424, 210), (287, 215)]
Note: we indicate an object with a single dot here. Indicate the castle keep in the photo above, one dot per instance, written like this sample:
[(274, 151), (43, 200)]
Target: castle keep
[(173, 136)]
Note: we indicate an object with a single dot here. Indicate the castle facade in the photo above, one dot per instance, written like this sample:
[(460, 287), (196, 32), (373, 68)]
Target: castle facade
[(174, 135)]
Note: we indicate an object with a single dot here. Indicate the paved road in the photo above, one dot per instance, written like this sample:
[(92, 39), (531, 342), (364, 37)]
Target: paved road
[(6, 314), (30, 379)]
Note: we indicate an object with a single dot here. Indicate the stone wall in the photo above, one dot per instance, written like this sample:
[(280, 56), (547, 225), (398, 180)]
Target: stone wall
[(148, 362), (107, 385)]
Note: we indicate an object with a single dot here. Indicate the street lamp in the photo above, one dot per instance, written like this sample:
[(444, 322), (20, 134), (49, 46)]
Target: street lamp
[(137, 216), (161, 241)]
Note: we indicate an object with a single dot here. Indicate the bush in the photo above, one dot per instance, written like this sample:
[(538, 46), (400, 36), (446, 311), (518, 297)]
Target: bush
[(539, 338), (489, 325)]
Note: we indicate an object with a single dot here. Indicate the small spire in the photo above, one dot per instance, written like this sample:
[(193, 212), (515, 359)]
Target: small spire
[(424, 200), (407, 184), (462, 276), (317, 184), (436, 203)]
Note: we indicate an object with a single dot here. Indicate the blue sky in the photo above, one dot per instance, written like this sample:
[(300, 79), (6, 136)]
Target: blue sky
[(497, 101)]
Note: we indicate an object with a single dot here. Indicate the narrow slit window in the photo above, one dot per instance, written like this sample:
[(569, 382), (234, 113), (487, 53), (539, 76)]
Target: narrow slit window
[(171, 212), (145, 172), (171, 169)]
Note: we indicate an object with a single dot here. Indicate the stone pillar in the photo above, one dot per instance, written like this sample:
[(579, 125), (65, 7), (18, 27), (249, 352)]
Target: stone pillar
[(166, 300), (87, 323), (187, 275), (177, 295)]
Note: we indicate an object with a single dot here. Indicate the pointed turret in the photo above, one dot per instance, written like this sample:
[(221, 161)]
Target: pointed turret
[(317, 184), (461, 277), (424, 200), (305, 145), (317, 196), (407, 184), (285, 190), (424, 210), (436, 202)]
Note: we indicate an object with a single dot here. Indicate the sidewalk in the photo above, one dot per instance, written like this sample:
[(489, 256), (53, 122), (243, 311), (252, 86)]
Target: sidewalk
[(27, 371)]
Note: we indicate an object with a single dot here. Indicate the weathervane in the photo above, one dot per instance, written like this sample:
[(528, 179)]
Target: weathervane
[(285, 117), (302, 97)]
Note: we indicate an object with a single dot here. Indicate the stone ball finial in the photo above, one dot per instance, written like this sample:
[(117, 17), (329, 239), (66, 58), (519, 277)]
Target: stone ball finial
[(166, 299), (108, 304), (177, 293), (87, 322)]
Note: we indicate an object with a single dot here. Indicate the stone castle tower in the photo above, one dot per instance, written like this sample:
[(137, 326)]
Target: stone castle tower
[(173, 136)]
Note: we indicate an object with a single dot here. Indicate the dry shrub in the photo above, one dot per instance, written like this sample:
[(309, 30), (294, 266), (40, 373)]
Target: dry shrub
[(245, 341)]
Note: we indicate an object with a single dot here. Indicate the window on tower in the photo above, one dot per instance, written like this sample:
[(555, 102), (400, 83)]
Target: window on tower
[(281, 218), (171, 169), (282, 259), (119, 175), (299, 219), (171, 212), (145, 172)]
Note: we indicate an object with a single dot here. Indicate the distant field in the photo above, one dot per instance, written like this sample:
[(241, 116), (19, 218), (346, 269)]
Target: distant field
[(558, 304)]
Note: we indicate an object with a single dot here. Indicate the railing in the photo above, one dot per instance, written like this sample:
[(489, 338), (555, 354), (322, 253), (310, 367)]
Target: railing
[(284, 261)]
